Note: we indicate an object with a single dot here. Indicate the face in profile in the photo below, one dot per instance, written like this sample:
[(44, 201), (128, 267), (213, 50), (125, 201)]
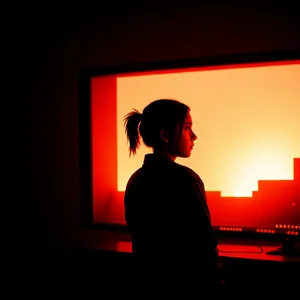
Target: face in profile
[(182, 143)]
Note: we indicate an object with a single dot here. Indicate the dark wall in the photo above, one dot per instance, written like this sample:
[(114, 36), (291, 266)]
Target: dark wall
[(52, 45)]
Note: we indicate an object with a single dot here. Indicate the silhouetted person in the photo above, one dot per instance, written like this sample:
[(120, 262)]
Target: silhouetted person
[(166, 210)]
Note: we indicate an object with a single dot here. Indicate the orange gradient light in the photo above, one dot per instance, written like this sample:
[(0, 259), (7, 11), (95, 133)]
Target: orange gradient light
[(246, 120), (248, 147)]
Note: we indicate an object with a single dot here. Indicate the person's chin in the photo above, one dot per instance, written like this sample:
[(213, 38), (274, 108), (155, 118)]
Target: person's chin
[(186, 155)]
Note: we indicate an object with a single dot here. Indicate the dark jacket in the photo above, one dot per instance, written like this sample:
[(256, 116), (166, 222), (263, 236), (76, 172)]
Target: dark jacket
[(167, 215)]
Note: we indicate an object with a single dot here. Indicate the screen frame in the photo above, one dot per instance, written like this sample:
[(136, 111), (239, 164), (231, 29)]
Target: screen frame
[(85, 159)]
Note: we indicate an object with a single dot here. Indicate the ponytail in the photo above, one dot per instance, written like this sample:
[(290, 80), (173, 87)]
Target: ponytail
[(131, 123)]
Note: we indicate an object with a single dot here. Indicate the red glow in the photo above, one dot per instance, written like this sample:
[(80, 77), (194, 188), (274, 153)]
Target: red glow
[(104, 148), (268, 206), (208, 68)]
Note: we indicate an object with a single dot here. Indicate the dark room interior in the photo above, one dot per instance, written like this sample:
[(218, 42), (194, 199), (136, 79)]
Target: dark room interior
[(53, 45)]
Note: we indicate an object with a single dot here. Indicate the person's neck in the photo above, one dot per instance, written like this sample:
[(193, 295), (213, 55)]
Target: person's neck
[(164, 153)]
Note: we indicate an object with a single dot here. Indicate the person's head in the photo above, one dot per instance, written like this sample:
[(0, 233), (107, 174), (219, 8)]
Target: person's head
[(164, 125)]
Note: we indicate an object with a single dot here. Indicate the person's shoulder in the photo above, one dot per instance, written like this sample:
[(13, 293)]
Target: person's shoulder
[(134, 175), (187, 172)]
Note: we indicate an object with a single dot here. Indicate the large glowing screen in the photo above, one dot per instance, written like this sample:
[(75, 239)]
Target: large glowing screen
[(247, 119)]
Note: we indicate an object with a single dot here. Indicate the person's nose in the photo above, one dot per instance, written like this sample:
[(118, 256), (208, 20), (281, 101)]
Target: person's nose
[(194, 137)]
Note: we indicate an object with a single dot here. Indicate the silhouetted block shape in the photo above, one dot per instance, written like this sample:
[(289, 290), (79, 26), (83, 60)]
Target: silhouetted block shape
[(297, 170), (274, 188)]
